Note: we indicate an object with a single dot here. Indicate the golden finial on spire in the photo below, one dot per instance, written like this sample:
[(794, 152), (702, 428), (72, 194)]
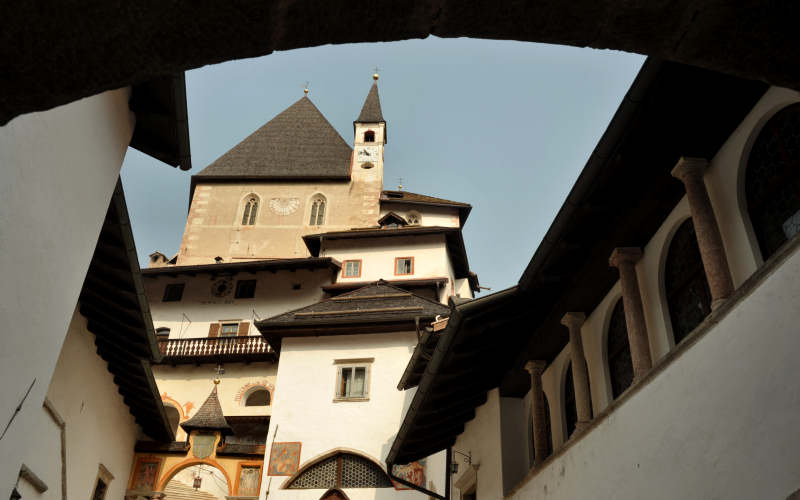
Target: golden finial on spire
[(400, 184), (305, 89), (375, 75), (220, 371)]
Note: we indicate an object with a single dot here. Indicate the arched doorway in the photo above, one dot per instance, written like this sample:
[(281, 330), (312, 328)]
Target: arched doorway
[(334, 494), (199, 481)]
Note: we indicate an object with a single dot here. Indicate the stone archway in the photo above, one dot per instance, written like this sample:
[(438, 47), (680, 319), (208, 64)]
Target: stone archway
[(214, 483), (742, 38), (190, 465)]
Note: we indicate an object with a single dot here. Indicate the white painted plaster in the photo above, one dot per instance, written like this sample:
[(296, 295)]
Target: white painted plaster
[(99, 426), (58, 169), (482, 439)]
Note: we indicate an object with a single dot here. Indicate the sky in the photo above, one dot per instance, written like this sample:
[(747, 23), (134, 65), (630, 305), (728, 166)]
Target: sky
[(505, 126)]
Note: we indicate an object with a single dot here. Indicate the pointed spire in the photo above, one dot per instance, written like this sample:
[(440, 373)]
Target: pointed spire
[(209, 416), (371, 111)]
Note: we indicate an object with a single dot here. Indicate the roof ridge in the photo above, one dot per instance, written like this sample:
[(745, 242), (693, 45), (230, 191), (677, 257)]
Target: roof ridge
[(417, 197)]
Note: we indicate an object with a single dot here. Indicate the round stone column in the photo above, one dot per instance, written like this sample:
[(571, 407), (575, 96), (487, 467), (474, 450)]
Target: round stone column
[(624, 259), (580, 376), (540, 437), (715, 263)]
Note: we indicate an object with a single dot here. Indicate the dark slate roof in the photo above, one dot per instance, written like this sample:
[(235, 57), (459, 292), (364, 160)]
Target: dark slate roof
[(405, 197), (371, 111), (299, 143), (378, 303), (209, 416)]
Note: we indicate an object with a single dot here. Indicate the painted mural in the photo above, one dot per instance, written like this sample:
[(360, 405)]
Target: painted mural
[(284, 459), (413, 472)]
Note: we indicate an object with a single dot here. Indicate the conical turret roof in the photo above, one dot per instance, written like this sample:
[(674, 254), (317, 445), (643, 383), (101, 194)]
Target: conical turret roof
[(209, 416), (371, 111), (299, 143)]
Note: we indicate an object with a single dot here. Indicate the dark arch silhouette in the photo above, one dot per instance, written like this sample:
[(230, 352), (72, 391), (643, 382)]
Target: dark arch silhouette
[(334, 494), (744, 38), (340, 469), (620, 363), (688, 295), (570, 406), (772, 181)]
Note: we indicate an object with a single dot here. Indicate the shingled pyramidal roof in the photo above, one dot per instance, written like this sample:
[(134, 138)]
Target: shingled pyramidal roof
[(371, 111), (299, 143), (209, 416)]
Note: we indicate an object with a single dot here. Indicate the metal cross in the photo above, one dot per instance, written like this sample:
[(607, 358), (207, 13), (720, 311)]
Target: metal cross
[(220, 371), (377, 69)]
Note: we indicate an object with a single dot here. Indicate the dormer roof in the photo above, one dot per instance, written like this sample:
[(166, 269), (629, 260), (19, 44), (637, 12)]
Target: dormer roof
[(406, 198), (299, 143), (392, 218)]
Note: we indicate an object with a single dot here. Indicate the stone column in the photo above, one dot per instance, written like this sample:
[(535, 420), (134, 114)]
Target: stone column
[(540, 437), (624, 259), (690, 171), (580, 376)]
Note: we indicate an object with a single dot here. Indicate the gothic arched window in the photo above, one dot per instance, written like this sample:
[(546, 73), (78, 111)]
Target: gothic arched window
[(342, 470), (688, 295), (369, 136), (570, 406), (250, 211), (620, 364), (772, 181), (317, 211), (548, 433)]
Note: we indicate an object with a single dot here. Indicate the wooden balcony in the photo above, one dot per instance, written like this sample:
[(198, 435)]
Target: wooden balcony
[(215, 350)]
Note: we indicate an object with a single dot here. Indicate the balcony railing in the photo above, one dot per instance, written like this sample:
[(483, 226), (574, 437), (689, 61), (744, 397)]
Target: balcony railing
[(215, 349)]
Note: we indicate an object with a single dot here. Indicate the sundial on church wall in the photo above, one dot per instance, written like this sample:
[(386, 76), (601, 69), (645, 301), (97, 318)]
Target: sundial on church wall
[(284, 206)]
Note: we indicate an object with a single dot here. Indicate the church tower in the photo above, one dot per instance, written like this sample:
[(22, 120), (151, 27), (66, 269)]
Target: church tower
[(369, 140)]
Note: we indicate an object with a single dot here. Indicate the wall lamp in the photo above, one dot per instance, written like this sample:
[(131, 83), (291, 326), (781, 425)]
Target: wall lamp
[(467, 459)]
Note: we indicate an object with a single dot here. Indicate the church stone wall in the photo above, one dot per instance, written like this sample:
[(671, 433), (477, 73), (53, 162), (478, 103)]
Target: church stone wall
[(214, 228), (58, 169)]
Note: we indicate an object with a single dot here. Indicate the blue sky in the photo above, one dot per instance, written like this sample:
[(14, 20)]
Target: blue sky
[(505, 126)]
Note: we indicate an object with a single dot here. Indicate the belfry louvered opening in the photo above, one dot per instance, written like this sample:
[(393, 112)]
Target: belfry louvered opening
[(343, 470)]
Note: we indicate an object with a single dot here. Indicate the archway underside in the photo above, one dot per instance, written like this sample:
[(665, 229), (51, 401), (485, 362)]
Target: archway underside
[(55, 56)]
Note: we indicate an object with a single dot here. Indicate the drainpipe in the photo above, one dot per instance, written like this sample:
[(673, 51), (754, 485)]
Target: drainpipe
[(421, 489)]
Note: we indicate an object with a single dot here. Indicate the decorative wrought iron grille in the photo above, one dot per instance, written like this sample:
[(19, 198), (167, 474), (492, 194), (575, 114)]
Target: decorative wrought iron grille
[(344, 470), (620, 364), (772, 181), (688, 295)]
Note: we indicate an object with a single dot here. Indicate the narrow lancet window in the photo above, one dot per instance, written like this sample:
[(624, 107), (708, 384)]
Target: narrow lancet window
[(250, 211), (317, 211)]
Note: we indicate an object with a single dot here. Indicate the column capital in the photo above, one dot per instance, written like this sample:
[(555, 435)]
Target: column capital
[(688, 167), (624, 254), (535, 366), (573, 319)]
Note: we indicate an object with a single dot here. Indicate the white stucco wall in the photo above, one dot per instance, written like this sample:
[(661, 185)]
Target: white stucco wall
[(716, 423), (304, 410), (377, 256), (429, 216), (274, 295), (99, 426), (58, 169)]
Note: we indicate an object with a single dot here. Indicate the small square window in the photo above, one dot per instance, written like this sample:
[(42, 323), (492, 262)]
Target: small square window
[(229, 330), (404, 265), (245, 289), (352, 382), (173, 292), (352, 269)]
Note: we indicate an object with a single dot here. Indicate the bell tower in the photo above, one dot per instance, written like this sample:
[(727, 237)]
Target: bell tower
[(369, 140)]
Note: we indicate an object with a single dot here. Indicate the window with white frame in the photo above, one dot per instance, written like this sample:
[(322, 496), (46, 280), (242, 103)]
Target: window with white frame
[(352, 379)]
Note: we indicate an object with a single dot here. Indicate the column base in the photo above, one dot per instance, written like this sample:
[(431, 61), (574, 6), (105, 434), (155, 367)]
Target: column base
[(716, 303)]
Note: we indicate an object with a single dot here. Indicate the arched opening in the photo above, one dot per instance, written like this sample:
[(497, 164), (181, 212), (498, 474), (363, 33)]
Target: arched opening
[(369, 136), (620, 364), (570, 406), (250, 211), (173, 417), (687, 292), (333, 494), (772, 181), (258, 397), (317, 218), (340, 470), (548, 433), (198, 481), (413, 218)]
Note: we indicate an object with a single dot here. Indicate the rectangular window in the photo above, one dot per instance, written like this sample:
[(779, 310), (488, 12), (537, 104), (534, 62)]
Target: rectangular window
[(245, 289), (352, 269), (173, 292), (352, 379), (229, 330), (404, 265)]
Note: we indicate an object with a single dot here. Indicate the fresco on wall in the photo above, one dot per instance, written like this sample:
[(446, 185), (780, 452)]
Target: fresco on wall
[(284, 459), (413, 472), (146, 474)]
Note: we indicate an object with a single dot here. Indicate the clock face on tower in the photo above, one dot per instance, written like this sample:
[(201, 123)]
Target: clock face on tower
[(367, 153)]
